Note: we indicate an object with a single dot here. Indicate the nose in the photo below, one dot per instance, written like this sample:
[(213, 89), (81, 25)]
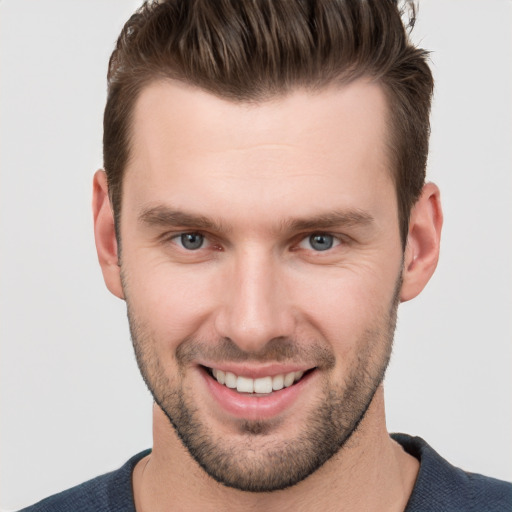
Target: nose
[(255, 306)]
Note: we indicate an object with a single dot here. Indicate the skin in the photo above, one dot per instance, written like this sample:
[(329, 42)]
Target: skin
[(255, 171)]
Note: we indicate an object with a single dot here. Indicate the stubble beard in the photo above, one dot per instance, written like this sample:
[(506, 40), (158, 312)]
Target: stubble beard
[(257, 463)]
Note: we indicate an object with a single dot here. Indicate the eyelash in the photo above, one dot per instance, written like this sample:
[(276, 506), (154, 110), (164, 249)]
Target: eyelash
[(175, 237), (336, 240)]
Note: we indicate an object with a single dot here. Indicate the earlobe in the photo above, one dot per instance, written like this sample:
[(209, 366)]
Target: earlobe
[(105, 235), (423, 241)]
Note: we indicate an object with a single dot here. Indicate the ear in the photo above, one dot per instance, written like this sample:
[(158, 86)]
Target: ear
[(423, 240), (105, 235)]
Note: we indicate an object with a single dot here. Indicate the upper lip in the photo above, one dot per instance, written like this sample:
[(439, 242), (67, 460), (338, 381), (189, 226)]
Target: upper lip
[(255, 372)]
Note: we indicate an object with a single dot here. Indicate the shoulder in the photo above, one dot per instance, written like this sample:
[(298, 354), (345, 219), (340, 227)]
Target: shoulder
[(441, 486), (111, 492)]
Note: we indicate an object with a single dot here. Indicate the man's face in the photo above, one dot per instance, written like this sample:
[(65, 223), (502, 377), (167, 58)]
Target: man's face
[(261, 250)]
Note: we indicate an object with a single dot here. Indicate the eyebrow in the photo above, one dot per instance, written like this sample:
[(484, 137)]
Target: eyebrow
[(329, 220), (164, 216)]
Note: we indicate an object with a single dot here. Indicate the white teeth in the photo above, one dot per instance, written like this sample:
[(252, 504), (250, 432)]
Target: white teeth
[(220, 376), (278, 382), (289, 378), (230, 380), (262, 385), (244, 385)]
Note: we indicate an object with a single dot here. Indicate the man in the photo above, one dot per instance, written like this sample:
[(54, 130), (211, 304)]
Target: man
[(262, 212)]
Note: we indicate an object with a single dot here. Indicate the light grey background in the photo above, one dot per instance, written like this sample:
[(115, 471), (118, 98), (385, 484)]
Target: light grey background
[(72, 402)]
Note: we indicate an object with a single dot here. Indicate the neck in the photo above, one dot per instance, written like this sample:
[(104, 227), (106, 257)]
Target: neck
[(371, 472)]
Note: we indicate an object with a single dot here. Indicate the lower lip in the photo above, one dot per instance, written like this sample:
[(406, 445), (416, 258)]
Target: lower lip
[(255, 407)]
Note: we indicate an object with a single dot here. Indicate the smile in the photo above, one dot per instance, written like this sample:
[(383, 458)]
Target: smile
[(252, 393), (261, 385)]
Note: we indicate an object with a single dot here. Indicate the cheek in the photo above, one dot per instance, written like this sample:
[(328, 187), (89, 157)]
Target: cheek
[(336, 304), (172, 303), (346, 306)]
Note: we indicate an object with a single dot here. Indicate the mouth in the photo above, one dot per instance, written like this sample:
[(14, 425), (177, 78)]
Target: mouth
[(259, 392), (260, 386)]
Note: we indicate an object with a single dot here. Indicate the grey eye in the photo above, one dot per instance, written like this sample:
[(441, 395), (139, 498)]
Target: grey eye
[(321, 242), (191, 241)]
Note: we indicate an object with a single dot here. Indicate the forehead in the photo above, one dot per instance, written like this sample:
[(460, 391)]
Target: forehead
[(187, 141), (193, 116)]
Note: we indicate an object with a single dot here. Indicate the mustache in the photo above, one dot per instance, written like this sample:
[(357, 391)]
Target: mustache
[(279, 350)]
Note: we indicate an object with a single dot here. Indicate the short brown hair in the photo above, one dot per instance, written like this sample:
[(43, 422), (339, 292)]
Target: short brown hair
[(254, 50)]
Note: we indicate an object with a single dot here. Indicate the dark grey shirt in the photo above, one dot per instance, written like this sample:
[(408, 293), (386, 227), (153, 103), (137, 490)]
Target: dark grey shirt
[(440, 487)]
